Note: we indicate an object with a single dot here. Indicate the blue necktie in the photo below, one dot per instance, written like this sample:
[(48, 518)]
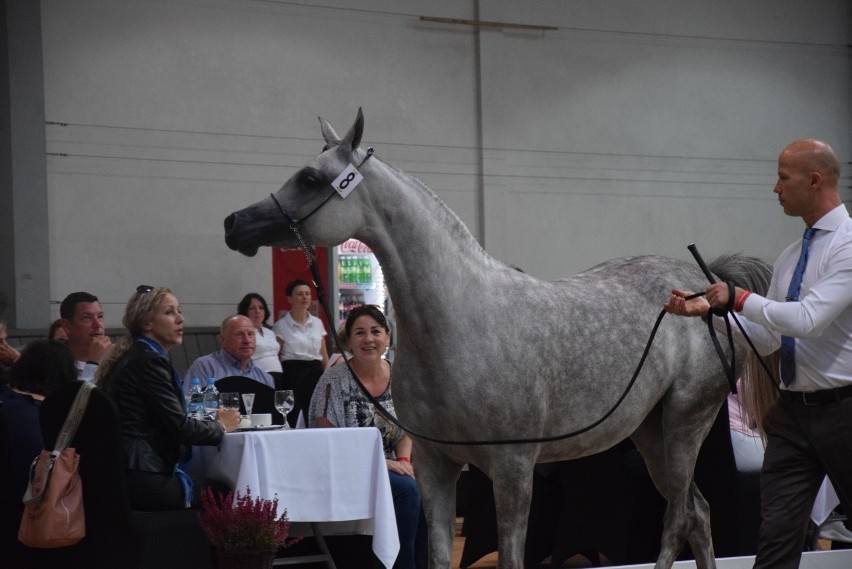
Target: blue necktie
[(788, 344)]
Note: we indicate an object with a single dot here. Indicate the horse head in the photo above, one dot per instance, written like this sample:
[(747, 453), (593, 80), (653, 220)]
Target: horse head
[(307, 203)]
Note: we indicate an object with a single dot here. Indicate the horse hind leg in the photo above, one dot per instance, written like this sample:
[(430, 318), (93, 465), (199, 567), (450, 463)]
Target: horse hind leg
[(670, 454), (694, 526)]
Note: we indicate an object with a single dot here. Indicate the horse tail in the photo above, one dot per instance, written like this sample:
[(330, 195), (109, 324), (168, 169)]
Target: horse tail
[(746, 272), (757, 390)]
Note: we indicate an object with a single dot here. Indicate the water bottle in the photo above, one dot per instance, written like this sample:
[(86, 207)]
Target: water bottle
[(195, 400), (211, 399)]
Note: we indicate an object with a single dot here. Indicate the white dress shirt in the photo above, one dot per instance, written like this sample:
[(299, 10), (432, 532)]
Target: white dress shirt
[(86, 370), (821, 321), (301, 341), (266, 351)]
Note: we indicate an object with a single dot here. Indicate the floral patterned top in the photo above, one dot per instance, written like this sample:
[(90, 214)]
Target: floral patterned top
[(339, 398)]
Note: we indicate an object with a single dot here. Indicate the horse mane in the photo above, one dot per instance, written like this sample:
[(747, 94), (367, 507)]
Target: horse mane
[(452, 221)]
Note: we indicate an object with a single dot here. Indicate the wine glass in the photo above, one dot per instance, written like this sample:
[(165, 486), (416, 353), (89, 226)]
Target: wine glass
[(248, 402), (284, 403)]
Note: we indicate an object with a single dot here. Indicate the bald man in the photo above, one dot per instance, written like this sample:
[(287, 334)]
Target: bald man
[(234, 357), (809, 429)]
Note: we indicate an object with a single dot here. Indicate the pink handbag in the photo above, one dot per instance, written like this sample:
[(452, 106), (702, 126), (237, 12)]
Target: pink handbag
[(53, 504)]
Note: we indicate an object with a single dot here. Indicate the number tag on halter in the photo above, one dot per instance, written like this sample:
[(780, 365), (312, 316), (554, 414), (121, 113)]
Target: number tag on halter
[(347, 181)]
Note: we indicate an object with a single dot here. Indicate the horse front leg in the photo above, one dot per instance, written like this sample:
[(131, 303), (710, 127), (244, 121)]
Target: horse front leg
[(436, 480), (513, 480)]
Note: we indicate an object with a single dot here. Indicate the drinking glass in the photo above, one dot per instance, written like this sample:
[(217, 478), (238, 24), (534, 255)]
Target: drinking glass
[(284, 403), (248, 402), (229, 400)]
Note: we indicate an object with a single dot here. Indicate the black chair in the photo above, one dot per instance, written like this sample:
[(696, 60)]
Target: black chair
[(264, 396), (116, 536)]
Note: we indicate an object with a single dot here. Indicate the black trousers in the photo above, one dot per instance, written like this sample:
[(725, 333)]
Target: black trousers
[(804, 443), (301, 376), (150, 491)]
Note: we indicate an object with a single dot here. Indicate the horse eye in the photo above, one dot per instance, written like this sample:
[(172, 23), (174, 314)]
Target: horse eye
[(310, 177)]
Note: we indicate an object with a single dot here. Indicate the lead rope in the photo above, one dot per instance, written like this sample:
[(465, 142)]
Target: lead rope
[(395, 421), (729, 370), (311, 259)]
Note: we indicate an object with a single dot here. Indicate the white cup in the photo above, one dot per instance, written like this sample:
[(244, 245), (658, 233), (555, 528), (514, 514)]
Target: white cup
[(261, 419)]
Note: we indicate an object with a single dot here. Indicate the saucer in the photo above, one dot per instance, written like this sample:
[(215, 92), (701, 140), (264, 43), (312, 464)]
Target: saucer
[(258, 428)]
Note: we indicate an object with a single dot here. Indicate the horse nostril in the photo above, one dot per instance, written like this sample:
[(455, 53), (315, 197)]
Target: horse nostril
[(229, 222)]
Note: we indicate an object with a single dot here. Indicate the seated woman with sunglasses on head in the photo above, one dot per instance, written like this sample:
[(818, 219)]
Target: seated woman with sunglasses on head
[(146, 388)]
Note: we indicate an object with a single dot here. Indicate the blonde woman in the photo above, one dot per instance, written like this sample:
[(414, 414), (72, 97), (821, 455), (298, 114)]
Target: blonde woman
[(139, 376)]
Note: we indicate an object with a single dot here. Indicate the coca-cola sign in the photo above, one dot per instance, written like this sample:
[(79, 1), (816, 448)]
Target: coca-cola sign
[(353, 246)]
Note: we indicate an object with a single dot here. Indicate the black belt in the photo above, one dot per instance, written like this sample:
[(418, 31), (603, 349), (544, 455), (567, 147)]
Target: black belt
[(821, 397)]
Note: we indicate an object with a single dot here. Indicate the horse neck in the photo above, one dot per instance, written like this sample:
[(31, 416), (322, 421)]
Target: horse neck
[(422, 245)]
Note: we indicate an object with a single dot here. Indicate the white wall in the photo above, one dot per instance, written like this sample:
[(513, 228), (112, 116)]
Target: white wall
[(641, 127), (636, 127)]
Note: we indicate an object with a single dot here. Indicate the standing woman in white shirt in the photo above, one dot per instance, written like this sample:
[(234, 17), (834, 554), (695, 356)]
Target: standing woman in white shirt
[(267, 344), (303, 354)]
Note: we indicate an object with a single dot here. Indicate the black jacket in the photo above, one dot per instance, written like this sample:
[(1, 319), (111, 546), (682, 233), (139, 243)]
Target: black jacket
[(154, 424)]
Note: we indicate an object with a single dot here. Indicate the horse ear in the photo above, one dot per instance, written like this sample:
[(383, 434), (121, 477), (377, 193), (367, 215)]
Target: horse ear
[(353, 137), (331, 138)]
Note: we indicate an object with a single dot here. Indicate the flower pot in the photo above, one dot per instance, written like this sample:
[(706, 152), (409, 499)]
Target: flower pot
[(238, 559)]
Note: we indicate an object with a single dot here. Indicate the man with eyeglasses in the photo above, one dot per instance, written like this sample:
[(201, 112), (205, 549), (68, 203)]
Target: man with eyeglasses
[(83, 321)]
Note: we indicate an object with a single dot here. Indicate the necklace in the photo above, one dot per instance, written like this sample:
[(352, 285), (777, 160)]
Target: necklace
[(371, 382)]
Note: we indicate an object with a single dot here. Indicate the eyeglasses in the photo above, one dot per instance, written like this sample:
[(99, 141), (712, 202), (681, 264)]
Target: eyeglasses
[(142, 289)]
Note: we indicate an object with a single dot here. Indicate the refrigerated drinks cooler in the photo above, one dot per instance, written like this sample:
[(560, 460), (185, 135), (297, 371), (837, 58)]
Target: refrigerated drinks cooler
[(350, 272), (359, 278)]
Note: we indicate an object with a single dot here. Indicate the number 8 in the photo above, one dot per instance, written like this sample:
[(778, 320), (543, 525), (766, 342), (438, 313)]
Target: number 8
[(344, 183)]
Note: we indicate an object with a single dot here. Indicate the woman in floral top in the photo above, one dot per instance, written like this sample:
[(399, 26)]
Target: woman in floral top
[(339, 402)]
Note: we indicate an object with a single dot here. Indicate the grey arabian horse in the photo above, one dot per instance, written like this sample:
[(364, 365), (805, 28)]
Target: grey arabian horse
[(487, 352)]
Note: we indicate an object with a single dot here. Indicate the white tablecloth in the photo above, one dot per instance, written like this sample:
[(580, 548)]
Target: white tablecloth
[(318, 475)]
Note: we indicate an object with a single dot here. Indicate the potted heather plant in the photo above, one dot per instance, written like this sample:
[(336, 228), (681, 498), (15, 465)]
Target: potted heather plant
[(244, 531)]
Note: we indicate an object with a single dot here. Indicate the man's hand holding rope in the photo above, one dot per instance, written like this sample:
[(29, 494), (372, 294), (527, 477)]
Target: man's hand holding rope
[(687, 303)]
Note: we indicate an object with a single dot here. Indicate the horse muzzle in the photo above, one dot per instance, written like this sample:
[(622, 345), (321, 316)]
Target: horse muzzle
[(240, 235)]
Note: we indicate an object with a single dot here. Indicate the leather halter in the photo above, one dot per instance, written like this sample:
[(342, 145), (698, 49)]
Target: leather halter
[(294, 223)]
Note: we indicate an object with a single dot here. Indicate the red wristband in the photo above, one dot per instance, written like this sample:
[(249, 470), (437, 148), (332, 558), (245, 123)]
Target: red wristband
[(403, 459), (738, 306)]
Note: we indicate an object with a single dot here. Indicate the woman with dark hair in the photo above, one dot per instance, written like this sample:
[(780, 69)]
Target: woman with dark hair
[(267, 344), (42, 366), (303, 353), (146, 388), (56, 332), (338, 401)]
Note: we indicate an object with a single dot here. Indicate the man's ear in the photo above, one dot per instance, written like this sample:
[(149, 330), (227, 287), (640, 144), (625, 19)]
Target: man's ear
[(66, 324), (816, 179)]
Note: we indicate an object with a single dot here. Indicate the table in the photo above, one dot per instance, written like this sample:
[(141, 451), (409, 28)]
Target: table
[(318, 475)]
